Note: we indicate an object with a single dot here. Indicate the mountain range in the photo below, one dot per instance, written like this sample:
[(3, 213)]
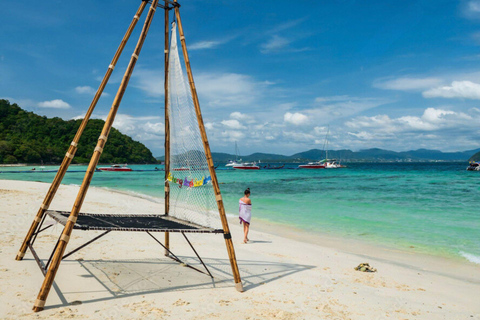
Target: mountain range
[(367, 155), (373, 154)]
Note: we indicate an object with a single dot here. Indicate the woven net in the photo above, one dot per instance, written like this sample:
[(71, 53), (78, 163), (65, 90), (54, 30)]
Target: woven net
[(191, 192)]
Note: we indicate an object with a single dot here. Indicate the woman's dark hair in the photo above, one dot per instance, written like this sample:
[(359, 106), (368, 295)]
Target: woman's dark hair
[(247, 191)]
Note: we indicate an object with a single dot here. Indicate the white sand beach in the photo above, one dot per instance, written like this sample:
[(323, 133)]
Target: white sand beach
[(287, 274)]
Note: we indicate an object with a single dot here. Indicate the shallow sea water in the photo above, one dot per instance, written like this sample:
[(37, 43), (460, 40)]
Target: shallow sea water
[(431, 206)]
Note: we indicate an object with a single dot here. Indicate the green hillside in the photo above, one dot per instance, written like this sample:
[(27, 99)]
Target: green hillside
[(29, 138), (475, 157)]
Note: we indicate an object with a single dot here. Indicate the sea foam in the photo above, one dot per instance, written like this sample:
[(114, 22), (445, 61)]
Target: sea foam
[(470, 257)]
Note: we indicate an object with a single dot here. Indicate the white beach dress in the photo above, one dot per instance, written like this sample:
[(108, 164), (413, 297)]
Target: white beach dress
[(245, 212)]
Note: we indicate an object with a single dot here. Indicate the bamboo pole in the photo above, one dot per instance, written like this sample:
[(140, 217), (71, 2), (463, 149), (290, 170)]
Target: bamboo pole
[(64, 238), (206, 146), (167, 125), (73, 146)]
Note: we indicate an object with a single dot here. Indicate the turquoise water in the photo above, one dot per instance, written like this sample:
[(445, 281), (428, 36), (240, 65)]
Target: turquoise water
[(431, 206)]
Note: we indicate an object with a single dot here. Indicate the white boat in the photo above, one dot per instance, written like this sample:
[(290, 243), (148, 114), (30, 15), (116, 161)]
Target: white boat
[(325, 163), (332, 164), (474, 166), (313, 165), (247, 166), (232, 163), (115, 167), (236, 162)]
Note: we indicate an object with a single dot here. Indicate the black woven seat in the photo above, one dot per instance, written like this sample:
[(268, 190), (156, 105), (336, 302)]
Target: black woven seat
[(130, 222)]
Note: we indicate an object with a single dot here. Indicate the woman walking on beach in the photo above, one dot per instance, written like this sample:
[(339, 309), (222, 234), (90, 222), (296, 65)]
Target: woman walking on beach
[(245, 213)]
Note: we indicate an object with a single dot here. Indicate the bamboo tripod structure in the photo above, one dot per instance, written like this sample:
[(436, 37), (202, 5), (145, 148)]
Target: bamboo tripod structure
[(73, 146), (65, 236), (167, 128)]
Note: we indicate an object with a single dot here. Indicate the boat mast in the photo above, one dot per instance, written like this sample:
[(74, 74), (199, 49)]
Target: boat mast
[(236, 152), (325, 143)]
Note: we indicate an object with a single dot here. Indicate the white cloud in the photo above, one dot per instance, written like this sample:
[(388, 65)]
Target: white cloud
[(233, 135), (436, 128), (54, 104), (437, 115), (85, 90), (155, 128), (408, 83), (471, 9), (286, 25), (209, 125), (363, 135), (233, 124), (320, 131), (295, 118), (242, 117), (431, 120), (150, 81), (88, 90), (299, 136), (274, 44), (146, 128), (332, 108), (228, 89), (204, 45), (458, 89), (334, 98), (473, 6)]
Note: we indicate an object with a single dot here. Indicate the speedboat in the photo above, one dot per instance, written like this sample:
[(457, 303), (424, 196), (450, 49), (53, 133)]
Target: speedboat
[(116, 167), (246, 166), (474, 166), (313, 165)]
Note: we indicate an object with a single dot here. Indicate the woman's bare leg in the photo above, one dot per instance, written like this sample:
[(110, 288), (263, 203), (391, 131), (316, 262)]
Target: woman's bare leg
[(246, 227)]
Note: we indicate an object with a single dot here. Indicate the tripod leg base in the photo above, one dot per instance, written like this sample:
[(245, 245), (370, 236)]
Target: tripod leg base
[(239, 287), (39, 304), (19, 256)]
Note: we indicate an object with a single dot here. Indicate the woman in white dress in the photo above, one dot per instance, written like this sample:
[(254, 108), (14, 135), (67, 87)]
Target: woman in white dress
[(245, 213)]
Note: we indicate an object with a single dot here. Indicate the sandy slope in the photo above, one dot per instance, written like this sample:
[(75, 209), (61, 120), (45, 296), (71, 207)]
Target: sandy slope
[(125, 275)]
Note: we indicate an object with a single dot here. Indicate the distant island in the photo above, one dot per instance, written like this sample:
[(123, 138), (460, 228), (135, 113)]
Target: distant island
[(368, 155), (29, 138)]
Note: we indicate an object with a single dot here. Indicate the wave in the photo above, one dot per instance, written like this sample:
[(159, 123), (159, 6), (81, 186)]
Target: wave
[(470, 257)]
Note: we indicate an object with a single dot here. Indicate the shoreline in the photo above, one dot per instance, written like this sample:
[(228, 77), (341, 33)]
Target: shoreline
[(328, 239), (347, 244)]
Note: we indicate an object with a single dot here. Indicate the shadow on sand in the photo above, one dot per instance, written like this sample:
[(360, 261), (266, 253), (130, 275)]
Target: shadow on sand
[(127, 278)]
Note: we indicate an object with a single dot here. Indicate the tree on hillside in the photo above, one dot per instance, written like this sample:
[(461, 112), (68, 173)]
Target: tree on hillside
[(29, 138)]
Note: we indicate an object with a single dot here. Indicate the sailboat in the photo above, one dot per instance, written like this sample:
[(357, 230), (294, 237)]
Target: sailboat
[(330, 163), (236, 162), (325, 163)]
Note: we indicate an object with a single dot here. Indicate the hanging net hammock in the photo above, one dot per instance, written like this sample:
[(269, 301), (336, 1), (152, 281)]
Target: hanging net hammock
[(192, 197)]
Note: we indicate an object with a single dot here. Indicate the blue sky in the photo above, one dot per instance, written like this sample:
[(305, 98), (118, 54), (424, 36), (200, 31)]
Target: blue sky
[(272, 75)]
